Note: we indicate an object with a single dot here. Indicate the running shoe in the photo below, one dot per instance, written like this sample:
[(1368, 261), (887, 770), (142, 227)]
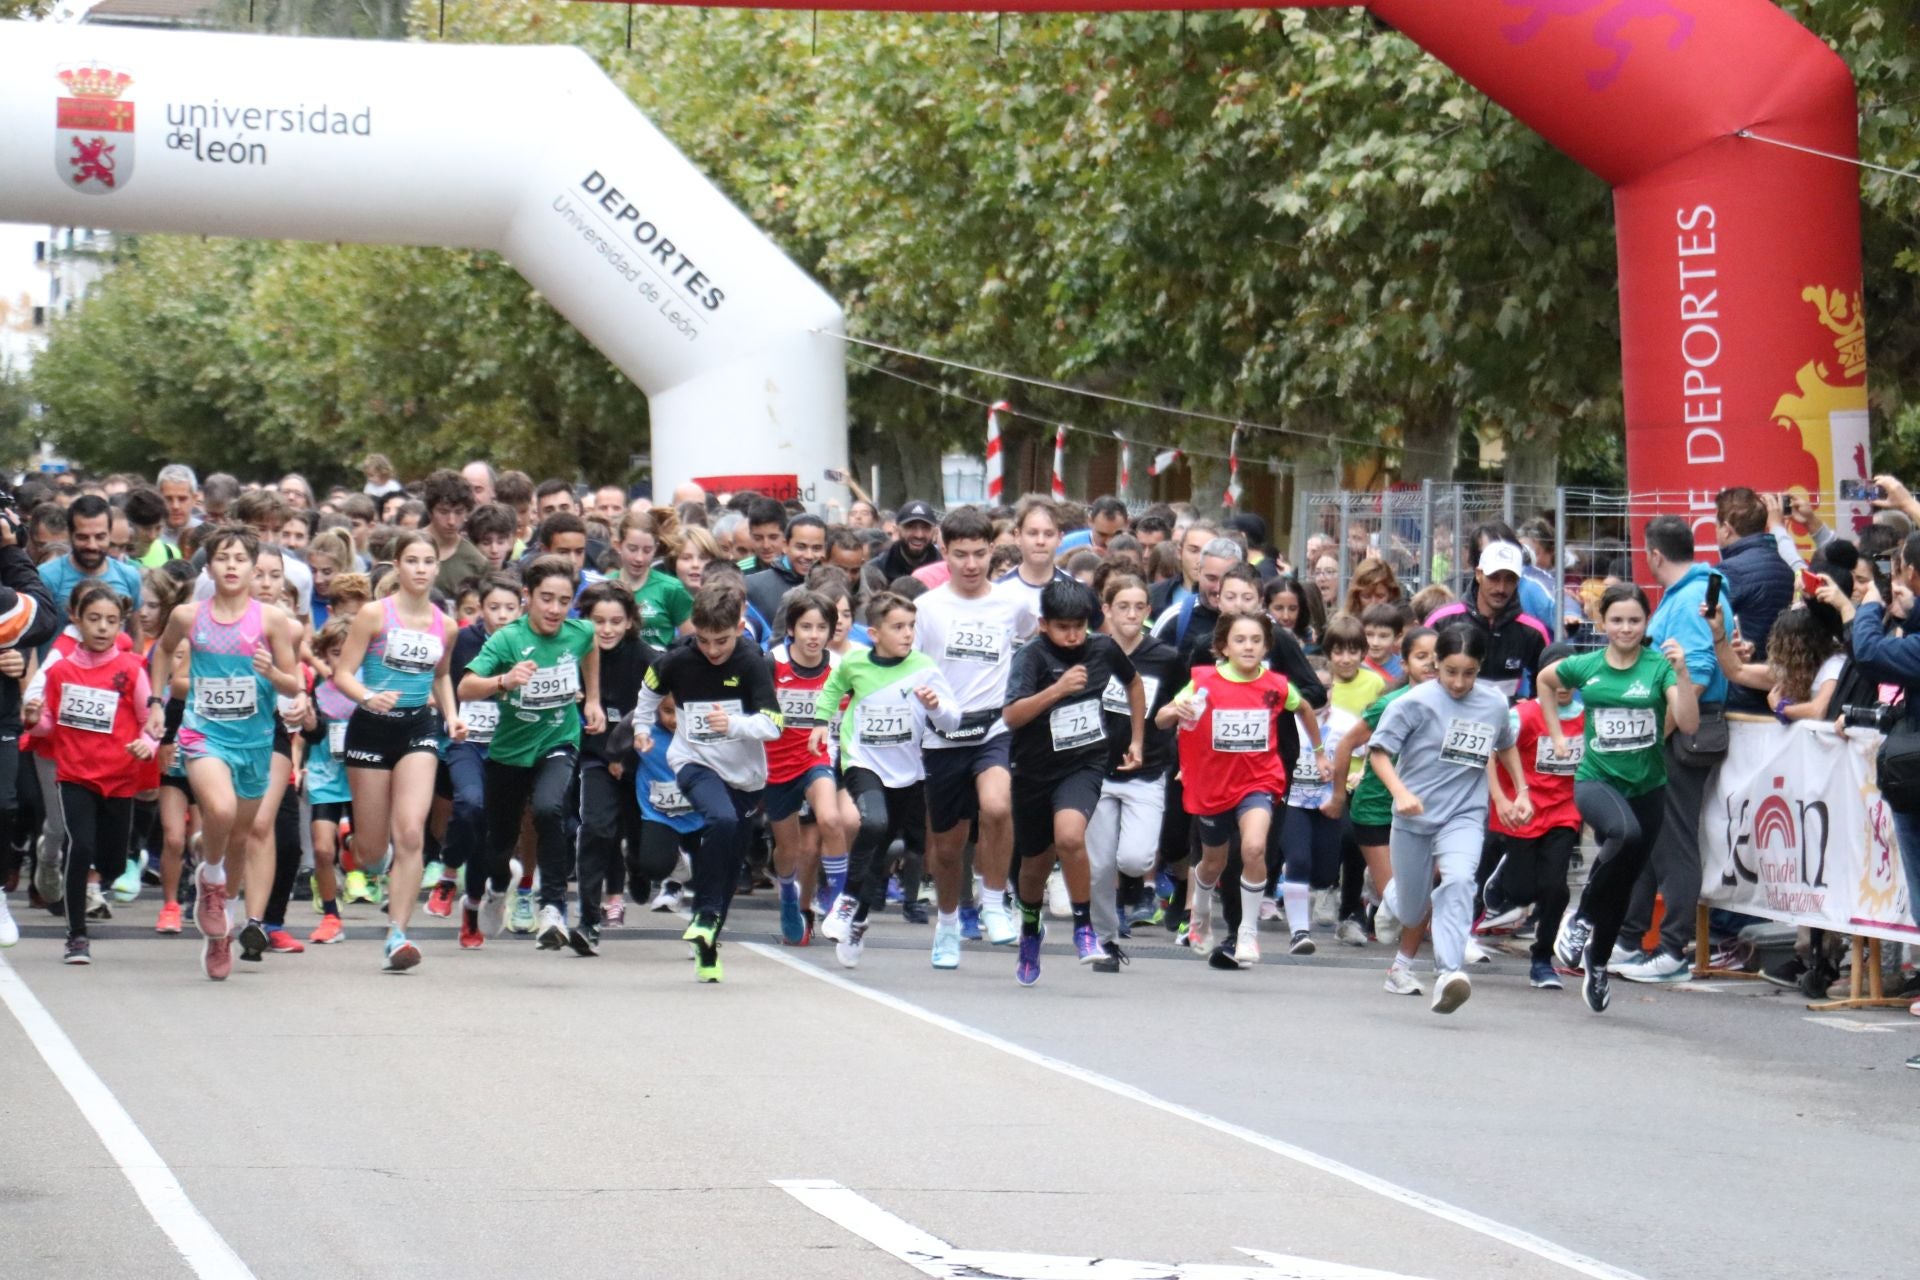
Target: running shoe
[(1492, 921), (9, 931), (1386, 925), (1162, 884), (1595, 988), (329, 930), (97, 908), (913, 913), (356, 889), (1326, 907), (1914, 1062), (836, 927), (1086, 944), (704, 934), (848, 950), (1570, 947), (997, 921), (1302, 944), (970, 922), (472, 934), (1786, 974), (440, 899), (127, 886), (1112, 960), (1474, 953), (1400, 980), (522, 917), (1225, 956), (793, 925), (585, 940), (492, 913), (1351, 932), (1493, 897), (553, 928), (1146, 911), (894, 892), (282, 943), (615, 912), (946, 946), (1542, 976), (434, 872), (668, 899), (1661, 966), (1269, 910), (1027, 970), (1450, 991), (402, 955), (1624, 957), (216, 957), (810, 919), (78, 952), (377, 886), (319, 907), (253, 941), (209, 906), (1059, 906), (1200, 930), (1246, 947)]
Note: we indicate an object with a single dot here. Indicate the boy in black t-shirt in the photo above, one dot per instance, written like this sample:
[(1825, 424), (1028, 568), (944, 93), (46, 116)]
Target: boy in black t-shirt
[(1060, 757)]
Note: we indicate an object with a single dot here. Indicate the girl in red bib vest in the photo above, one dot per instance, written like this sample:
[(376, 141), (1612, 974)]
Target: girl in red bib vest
[(1230, 767), (90, 715)]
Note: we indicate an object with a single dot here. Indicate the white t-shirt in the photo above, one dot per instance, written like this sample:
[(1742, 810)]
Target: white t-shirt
[(1829, 670), (972, 642)]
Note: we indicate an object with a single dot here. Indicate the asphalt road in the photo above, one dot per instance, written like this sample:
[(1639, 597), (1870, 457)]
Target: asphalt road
[(509, 1111)]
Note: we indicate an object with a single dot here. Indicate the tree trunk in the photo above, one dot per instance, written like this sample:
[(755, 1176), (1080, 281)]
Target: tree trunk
[(909, 463), (1533, 462), (1430, 443)]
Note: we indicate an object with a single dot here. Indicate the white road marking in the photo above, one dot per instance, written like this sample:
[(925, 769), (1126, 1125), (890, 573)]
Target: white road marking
[(1856, 1025), (932, 1256), (1514, 1237), (201, 1247)]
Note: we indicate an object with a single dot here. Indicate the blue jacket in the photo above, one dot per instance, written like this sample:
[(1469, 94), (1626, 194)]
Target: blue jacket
[(1759, 586), (1886, 655), (1678, 618)]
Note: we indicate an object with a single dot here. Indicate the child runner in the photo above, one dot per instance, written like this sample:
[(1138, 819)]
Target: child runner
[(326, 733), (797, 775), (1431, 751), (609, 815), (1229, 758), (176, 794), (664, 603), (90, 713), (669, 824), (727, 713), (1530, 859), (539, 667), (242, 653), (394, 666), (1383, 624), (1309, 836), (1123, 835), (1633, 695), (466, 761), (895, 693)]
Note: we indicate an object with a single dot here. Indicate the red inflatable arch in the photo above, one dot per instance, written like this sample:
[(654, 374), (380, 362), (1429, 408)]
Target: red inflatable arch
[(1742, 344)]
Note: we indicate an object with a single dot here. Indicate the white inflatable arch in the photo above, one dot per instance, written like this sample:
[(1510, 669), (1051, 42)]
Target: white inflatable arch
[(530, 152)]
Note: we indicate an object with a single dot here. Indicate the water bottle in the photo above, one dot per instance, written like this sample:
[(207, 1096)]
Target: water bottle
[(1199, 704)]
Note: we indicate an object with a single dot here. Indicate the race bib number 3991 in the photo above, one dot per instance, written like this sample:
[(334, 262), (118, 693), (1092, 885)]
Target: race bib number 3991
[(551, 687), (1467, 742)]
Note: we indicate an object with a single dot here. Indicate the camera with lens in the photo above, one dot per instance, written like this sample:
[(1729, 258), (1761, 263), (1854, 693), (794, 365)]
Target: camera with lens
[(1877, 716)]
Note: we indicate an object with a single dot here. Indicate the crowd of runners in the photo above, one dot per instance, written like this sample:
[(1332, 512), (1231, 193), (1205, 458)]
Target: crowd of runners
[(531, 708)]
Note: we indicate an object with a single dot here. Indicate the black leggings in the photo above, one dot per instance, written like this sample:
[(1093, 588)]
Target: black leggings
[(884, 811), (1533, 869), (545, 783), (1626, 828), (609, 813), (286, 855), (98, 828)]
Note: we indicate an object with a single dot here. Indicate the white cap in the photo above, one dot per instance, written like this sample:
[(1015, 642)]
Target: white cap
[(1501, 557)]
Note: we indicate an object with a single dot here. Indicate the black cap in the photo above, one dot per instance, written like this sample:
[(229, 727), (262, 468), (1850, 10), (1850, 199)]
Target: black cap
[(915, 512)]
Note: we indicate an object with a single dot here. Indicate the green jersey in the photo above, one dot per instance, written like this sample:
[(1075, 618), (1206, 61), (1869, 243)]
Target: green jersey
[(1371, 803), (885, 720), (664, 603), (543, 713), (1626, 719)]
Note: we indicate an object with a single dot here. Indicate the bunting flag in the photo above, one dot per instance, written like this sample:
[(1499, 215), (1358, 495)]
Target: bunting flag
[(995, 480), (1162, 460), (1232, 500), (1059, 465), (1126, 465)]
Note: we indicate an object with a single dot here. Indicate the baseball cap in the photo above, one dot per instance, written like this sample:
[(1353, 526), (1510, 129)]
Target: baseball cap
[(915, 512), (1501, 557)]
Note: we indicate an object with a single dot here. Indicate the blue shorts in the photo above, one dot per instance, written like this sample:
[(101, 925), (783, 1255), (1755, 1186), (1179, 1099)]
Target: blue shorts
[(250, 771), (1220, 828), (784, 799), (952, 796)]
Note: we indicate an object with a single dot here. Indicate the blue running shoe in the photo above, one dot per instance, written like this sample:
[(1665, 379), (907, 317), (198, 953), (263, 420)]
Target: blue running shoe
[(1028, 970), (1163, 885), (1086, 943), (893, 890), (970, 923), (793, 925)]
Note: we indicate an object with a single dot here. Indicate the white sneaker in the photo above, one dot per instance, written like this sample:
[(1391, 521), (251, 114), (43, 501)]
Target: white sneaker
[(668, 899), (97, 908), (1059, 906), (1625, 957), (1246, 944), (1326, 907), (552, 933), (493, 913), (848, 951), (834, 927), (1351, 932), (996, 921), (1386, 925), (1450, 991), (1476, 954), (9, 931), (1400, 981), (1661, 966), (1269, 910)]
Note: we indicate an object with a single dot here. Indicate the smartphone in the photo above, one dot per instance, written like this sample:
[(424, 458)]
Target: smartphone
[(1854, 490), (836, 477), (1811, 582), (1713, 593)]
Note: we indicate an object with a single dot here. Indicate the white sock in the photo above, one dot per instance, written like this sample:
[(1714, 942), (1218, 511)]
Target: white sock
[(1199, 903), (950, 919), (1299, 900), (1251, 895), (213, 872)]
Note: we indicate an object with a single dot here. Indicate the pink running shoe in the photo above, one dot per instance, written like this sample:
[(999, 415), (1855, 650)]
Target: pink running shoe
[(216, 956), (616, 909), (209, 907)]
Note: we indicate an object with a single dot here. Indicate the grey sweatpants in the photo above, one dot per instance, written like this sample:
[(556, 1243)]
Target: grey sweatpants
[(1455, 849), (1123, 836)]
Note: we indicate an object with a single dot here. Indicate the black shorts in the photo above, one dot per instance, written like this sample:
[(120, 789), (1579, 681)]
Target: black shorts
[(1035, 803), (282, 741), (334, 811), (180, 784), (952, 795), (376, 741), (1366, 834)]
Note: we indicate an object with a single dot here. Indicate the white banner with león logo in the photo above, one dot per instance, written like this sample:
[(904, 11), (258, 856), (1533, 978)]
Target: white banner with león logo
[(1793, 829)]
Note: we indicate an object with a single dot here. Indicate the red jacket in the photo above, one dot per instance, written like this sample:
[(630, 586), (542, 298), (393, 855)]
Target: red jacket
[(93, 707)]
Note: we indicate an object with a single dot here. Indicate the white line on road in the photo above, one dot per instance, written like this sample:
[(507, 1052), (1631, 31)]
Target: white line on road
[(201, 1247), (1525, 1241)]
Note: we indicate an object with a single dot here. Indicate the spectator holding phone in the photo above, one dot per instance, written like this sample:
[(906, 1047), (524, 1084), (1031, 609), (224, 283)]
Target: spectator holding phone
[(1759, 583)]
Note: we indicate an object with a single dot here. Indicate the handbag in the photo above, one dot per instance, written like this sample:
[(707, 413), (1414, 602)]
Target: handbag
[(1898, 768), (1707, 745)]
